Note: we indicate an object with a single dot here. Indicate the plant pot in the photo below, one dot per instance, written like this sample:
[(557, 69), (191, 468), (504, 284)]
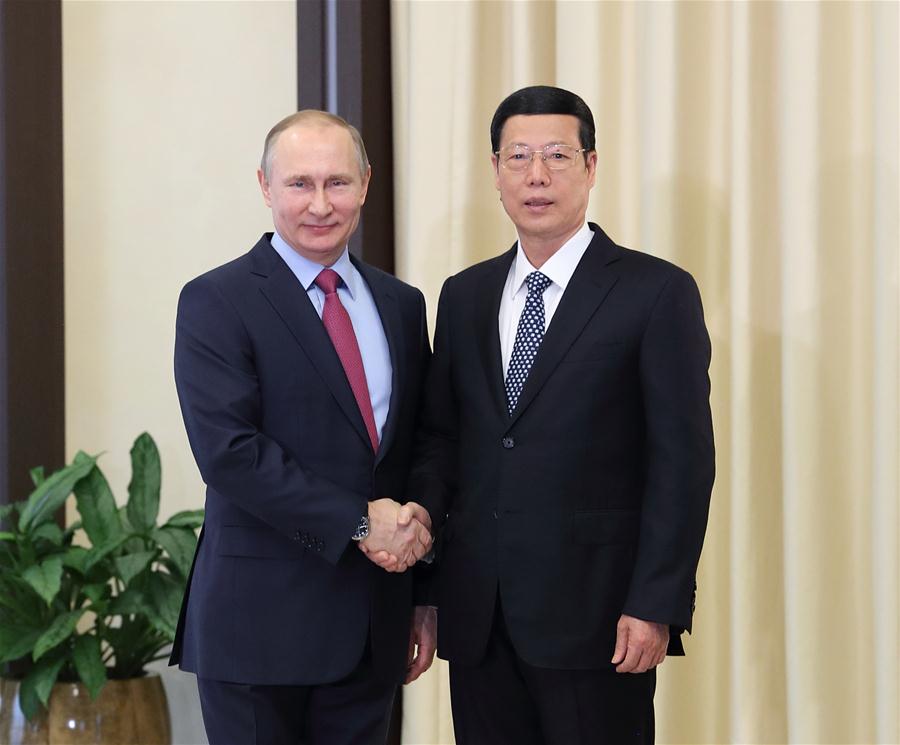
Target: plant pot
[(126, 712)]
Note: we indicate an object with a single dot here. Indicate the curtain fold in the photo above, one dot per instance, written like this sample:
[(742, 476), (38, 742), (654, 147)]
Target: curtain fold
[(756, 145)]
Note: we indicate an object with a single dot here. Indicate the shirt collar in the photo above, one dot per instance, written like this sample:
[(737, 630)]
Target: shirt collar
[(306, 271), (559, 268)]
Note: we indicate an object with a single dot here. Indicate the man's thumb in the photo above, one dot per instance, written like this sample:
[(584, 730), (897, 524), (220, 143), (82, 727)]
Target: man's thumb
[(621, 645), (404, 516)]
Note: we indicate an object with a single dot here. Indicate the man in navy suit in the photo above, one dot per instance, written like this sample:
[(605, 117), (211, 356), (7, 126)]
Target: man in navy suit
[(299, 370), (568, 444)]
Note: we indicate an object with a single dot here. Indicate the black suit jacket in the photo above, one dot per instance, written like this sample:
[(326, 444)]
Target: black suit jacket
[(590, 500), (279, 594)]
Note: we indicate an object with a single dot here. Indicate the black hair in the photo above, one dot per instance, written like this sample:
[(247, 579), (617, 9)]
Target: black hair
[(544, 99)]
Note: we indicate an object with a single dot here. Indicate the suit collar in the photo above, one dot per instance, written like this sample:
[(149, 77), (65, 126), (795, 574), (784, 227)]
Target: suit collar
[(559, 268), (289, 300), (591, 282), (264, 260), (487, 308), (385, 296), (306, 270)]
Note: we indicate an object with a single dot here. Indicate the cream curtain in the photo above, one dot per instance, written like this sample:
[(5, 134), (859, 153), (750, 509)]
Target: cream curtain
[(756, 145)]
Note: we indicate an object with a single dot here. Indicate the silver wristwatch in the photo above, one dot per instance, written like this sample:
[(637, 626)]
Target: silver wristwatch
[(362, 530)]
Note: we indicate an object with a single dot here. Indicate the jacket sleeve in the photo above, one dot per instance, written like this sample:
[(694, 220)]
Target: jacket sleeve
[(220, 397), (680, 459)]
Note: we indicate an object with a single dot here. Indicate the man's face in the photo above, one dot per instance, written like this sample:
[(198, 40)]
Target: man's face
[(546, 206), (315, 189)]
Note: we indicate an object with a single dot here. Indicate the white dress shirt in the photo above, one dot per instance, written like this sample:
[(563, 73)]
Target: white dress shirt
[(559, 269)]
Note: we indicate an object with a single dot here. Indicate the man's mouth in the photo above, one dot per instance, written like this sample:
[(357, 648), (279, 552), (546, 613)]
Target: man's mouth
[(319, 228), (537, 203)]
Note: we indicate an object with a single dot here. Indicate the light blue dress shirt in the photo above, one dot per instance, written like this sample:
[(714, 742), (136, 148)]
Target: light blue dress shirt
[(356, 297)]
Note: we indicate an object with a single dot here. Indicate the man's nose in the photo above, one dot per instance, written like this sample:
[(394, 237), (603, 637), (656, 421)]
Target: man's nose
[(320, 205), (537, 171)]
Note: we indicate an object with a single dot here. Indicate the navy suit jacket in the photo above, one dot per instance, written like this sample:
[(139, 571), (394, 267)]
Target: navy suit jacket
[(279, 594), (591, 500)]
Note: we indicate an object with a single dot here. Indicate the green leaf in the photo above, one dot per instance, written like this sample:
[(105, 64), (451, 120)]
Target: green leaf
[(4, 536), (49, 531), (129, 602), (45, 578), (70, 531), (143, 490), (165, 593), (16, 641), (97, 508), (185, 519), (180, 544), (61, 629), (7, 509), (37, 475), (89, 663), (16, 596), (36, 686), (126, 523), (96, 593), (76, 558), (52, 492), (98, 553), (130, 565)]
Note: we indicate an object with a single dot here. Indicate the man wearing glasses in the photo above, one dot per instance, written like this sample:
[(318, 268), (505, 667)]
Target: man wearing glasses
[(568, 441)]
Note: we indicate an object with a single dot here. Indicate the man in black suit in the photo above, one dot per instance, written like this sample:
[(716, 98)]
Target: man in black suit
[(568, 441), (299, 370)]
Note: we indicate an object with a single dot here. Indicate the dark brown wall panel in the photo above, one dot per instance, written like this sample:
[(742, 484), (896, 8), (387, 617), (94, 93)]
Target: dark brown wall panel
[(32, 385), (344, 66)]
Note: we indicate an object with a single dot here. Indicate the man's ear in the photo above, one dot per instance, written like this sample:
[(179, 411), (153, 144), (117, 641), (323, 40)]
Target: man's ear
[(365, 186), (264, 187), (495, 162), (590, 161)]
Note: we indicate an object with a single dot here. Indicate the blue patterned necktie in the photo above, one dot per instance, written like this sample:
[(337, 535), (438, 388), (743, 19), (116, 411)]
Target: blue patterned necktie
[(529, 335)]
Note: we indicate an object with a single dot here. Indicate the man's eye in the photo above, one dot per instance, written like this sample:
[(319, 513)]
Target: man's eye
[(299, 184), (559, 156), (338, 182), (517, 156)]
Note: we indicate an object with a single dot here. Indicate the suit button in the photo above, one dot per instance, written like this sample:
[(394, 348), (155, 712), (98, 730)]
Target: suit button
[(508, 442)]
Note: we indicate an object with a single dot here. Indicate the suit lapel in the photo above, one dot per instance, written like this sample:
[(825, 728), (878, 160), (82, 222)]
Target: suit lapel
[(487, 309), (389, 309), (290, 301), (586, 291)]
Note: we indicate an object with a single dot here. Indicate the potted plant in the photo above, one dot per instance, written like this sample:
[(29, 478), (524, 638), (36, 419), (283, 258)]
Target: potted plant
[(96, 601)]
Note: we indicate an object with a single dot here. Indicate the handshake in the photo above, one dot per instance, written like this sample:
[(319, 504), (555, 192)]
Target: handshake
[(399, 535)]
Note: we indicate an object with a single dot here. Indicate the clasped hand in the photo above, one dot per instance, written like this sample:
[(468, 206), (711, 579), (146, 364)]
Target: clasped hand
[(399, 535)]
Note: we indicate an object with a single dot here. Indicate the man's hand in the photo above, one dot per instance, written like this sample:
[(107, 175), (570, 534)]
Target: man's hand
[(408, 513), (640, 645), (422, 642), (398, 536), (414, 511)]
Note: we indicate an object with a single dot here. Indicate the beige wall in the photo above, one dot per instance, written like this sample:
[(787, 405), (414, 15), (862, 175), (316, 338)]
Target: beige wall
[(165, 108)]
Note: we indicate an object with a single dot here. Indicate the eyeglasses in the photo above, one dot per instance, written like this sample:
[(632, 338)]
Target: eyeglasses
[(555, 157)]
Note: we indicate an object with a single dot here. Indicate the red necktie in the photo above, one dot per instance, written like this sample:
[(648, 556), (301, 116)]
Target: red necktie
[(340, 329)]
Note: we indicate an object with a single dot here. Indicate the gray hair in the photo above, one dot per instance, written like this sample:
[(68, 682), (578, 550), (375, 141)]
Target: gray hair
[(307, 116)]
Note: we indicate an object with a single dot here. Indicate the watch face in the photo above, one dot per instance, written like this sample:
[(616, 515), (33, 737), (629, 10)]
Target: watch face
[(362, 530)]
